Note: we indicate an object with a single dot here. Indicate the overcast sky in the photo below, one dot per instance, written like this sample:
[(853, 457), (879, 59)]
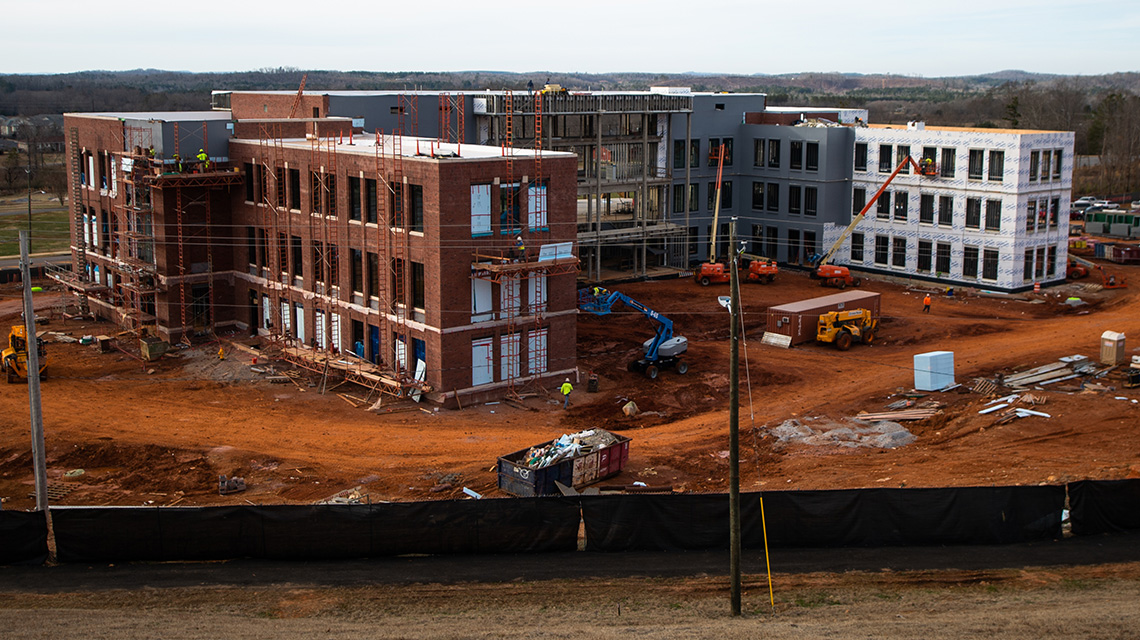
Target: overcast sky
[(931, 39)]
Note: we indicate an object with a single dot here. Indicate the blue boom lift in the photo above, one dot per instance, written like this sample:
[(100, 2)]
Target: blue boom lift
[(661, 351)]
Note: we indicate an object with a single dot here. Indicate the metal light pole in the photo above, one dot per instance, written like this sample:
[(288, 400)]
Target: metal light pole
[(734, 426), (28, 170), (32, 344)]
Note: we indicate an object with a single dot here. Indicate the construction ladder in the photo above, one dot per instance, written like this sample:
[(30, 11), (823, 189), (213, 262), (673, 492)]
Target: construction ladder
[(78, 222)]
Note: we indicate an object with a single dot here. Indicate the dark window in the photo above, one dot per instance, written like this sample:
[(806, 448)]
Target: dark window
[(354, 204), (902, 204), (772, 239), (774, 153), (758, 152), (373, 275), (1030, 216), (331, 194), (249, 180), (509, 196), (773, 196), (901, 154), (811, 196), (993, 215), (930, 155), (793, 198), (678, 198), (857, 247), (977, 159), (1051, 262), (416, 200), (858, 200), (942, 258), (418, 299), (1057, 164), (811, 161), (694, 197), (882, 249), (997, 165), (318, 262), (810, 249), (990, 264), (883, 206), (726, 194), (298, 256), (370, 200), (757, 195), (898, 252), (1054, 209), (925, 256), (756, 242), (694, 240), (251, 245), (356, 270), (727, 144), (711, 195), (860, 156), (1034, 165), (797, 154), (714, 151), (678, 154), (694, 153), (970, 262), (1027, 265), (885, 153), (946, 210), (926, 208), (295, 189), (973, 213), (946, 169), (794, 246)]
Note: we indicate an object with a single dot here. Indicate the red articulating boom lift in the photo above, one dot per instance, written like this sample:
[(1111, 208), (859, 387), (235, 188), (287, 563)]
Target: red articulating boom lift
[(1079, 268), (831, 275), (761, 269)]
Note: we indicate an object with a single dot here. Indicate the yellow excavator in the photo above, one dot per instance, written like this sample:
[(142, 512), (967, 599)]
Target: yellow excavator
[(843, 328), (15, 357)]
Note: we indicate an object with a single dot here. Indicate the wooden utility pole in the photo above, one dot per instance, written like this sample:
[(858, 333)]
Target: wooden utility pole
[(32, 345), (734, 424)]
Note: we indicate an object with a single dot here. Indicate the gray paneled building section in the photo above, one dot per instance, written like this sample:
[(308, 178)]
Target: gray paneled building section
[(786, 181)]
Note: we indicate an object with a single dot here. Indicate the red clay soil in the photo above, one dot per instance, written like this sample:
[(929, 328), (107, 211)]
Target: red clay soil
[(163, 432)]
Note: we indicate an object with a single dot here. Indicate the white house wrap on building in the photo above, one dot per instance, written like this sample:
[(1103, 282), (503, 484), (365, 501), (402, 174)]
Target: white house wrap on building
[(995, 216)]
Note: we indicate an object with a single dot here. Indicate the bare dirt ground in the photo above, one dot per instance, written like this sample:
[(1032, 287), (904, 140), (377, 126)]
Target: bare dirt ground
[(163, 432), (1029, 604)]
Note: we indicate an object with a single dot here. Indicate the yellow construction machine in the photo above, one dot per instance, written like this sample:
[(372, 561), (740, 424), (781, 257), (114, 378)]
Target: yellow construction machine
[(842, 328), (15, 357)]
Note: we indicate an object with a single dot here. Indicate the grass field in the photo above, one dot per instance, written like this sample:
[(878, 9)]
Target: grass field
[(50, 224)]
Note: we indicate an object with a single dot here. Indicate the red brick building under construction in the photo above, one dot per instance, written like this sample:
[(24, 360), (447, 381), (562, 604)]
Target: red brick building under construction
[(406, 264)]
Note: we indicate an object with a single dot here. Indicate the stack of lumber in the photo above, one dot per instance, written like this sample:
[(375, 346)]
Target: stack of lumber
[(1045, 374)]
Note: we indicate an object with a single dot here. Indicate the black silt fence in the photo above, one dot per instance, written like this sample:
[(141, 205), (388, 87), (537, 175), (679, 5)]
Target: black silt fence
[(1104, 506), (844, 518), (23, 537), (316, 532)]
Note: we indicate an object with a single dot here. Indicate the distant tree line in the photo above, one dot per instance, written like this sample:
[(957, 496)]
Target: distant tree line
[(1103, 111)]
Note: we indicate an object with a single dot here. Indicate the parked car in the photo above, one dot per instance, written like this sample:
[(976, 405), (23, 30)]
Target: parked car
[(1086, 200), (1136, 204)]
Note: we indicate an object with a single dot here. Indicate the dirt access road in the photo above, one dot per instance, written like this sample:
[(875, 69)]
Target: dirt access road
[(161, 434)]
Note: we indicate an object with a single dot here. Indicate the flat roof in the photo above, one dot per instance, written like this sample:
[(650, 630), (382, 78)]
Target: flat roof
[(159, 116), (413, 147), (928, 127), (576, 92)]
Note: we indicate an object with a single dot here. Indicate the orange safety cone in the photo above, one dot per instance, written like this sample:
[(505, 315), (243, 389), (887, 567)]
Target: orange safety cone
[(1036, 287)]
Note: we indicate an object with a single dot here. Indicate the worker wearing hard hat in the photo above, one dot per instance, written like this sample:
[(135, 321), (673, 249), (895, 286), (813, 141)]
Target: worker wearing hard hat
[(566, 388), (203, 160)]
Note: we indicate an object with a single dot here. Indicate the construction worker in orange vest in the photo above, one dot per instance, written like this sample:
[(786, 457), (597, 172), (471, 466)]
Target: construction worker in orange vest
[(926, 304)]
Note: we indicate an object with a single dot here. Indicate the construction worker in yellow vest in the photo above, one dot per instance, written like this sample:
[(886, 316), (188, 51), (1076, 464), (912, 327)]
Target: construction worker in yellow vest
[(203, 160), (566, 388)]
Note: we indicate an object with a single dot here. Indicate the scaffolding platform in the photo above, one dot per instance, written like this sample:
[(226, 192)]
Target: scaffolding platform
[(353, 370), (72, 281)]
